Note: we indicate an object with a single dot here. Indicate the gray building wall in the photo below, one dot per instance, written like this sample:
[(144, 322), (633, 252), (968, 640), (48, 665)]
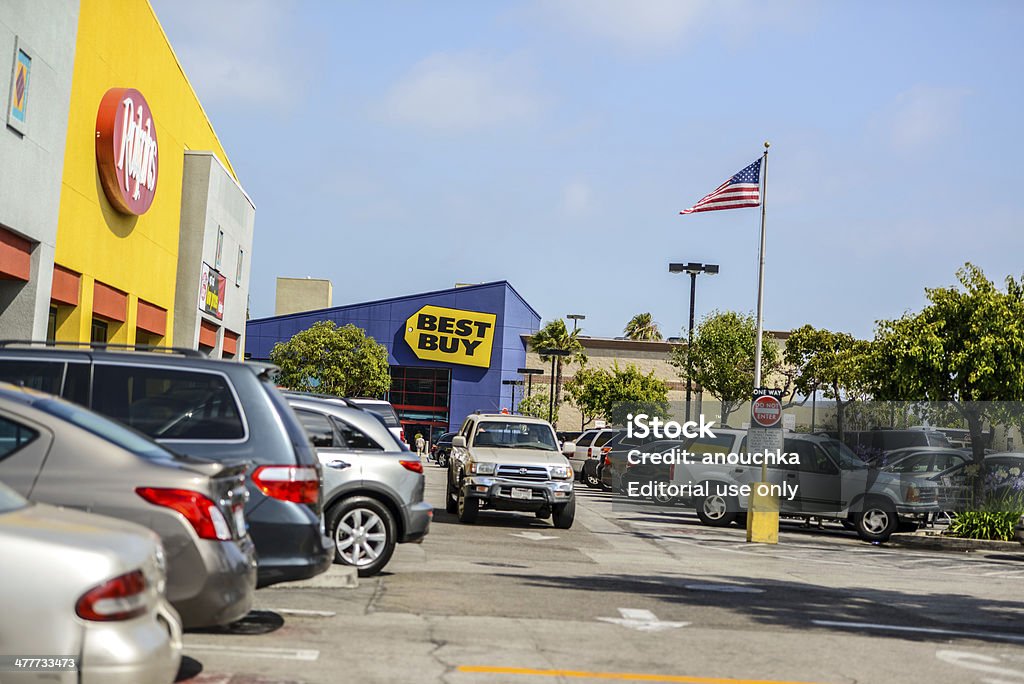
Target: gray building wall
[(212, 201), (33, 161)]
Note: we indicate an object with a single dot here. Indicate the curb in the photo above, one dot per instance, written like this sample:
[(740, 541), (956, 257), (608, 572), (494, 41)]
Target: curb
[(942, 543)]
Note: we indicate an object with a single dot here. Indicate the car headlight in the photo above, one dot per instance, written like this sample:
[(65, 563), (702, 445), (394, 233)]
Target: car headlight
[(561, 472), (482, 468)]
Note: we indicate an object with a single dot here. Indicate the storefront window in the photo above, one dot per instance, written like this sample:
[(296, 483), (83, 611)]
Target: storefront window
[(420, 397)]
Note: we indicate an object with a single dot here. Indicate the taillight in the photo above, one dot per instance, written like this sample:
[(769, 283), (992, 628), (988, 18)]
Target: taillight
[(607, 461), (672, 471), (414, 466), (401, 434), (590, 451), (122, 598), (298, 484), (204, 516)]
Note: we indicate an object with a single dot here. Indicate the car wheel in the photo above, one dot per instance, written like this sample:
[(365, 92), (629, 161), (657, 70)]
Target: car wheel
[(564, 514), (661, 497), (442, 460), (450, 503), (717, 510), (468, 507), (877, 522), (364, 534), (591, 478)]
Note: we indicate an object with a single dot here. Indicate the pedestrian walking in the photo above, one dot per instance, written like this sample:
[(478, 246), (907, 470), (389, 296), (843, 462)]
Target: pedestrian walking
[(421, 445)]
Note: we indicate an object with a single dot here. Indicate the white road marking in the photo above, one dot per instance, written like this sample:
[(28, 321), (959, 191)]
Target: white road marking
[(253, 652), (642, 620), (981, 663), (532, 536), (298, 612), (920, 630)]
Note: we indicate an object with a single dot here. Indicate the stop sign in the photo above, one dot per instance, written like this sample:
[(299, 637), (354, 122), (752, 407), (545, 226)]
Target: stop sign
[(766, 411)]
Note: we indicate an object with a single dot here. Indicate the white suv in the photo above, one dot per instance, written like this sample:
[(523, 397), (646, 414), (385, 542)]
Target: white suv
[(509, 463)]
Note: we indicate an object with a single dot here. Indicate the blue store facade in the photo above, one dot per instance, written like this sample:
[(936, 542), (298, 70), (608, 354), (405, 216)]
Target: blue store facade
[(448, 350)]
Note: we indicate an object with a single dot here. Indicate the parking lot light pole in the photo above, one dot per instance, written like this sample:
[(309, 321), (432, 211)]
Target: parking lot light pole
[(693, 269), (575, 318), (529, 373), (554, 354), (513, 383)]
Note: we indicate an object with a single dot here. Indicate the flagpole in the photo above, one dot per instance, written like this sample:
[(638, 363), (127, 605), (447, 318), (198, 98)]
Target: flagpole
[(760, 274)]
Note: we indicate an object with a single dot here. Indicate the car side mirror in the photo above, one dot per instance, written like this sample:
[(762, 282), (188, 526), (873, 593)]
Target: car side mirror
[(459, 441), (569, 448)]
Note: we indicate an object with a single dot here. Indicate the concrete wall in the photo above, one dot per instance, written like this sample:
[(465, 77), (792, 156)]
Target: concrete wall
[(33, 161), (212, 202), (295, 295)]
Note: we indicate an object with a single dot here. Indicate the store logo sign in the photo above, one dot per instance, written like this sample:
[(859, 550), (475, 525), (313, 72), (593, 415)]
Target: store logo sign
[(451, 335), (126, 150)]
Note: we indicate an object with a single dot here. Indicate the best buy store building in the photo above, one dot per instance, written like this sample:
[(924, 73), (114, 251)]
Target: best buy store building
[(449, 350)]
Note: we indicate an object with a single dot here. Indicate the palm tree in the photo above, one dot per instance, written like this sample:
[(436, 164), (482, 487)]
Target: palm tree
[(555, 335), (641, 327)]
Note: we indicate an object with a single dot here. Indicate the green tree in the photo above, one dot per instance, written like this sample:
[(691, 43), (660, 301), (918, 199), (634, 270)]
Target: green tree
[(340, 361), (641, 327), (723, 358), (555, 336), (536, 406), (631, 391), (832, 362), (966, 347), (588, 391)]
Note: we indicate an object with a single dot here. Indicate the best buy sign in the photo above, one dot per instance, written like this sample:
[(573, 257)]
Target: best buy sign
[(451, 335)]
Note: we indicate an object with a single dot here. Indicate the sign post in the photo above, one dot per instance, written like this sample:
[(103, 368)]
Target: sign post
[(765, 435)]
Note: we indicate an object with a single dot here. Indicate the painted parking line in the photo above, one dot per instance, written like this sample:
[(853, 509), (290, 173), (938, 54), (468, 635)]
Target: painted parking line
[(298, 612), (253, 652), (621, 676), (921, 630)]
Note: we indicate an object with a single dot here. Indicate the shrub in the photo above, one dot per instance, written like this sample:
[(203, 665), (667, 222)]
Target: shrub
[(995, 520)]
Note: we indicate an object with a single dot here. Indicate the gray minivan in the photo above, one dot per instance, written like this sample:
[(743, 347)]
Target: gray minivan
[(207, 408)]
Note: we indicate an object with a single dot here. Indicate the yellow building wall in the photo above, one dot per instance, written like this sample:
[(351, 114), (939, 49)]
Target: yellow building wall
[(121, 44)]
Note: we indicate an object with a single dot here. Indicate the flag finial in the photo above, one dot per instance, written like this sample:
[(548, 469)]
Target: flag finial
[(767, 144)]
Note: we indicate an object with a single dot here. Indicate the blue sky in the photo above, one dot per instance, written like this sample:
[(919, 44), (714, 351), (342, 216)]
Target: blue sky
[(396, 148)]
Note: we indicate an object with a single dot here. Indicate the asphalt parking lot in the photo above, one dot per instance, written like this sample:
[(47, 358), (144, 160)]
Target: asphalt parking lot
[(632, 593)]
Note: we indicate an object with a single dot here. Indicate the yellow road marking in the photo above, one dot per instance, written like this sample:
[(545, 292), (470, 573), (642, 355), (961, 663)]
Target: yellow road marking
[(627, 676)]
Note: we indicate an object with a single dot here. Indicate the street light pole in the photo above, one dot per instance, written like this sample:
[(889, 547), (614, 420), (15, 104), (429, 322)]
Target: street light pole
[(513, 383), (529, 373), (574, 318), (693, 269)]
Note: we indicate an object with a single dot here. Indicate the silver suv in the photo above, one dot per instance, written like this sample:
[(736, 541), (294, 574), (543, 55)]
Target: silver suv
[(373, 486), (829, 482), (510, 463)]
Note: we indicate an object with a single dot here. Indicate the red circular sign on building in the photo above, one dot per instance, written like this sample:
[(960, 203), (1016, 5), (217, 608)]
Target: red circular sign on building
[(766, 411), (126, 150)]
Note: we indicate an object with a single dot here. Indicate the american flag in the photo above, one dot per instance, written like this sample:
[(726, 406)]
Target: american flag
[(742, 190)]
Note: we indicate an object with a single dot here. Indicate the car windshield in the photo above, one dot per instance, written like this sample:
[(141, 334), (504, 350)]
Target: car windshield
[(10, 500), (122, 436), (513, 435), (843, 454)]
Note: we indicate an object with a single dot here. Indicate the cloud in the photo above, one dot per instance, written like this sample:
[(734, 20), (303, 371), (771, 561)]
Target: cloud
[(645, 26), (463, 91), (235, 51), (576, 199), (924, 115)]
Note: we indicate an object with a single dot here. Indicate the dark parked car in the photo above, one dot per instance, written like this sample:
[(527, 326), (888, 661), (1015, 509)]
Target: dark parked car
[(55, 452), (873, 446), (924, 461), (1004, 479), (218, 410), (441, 450)]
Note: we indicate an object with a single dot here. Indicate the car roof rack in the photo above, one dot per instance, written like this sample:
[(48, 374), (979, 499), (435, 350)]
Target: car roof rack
[(103, 346)]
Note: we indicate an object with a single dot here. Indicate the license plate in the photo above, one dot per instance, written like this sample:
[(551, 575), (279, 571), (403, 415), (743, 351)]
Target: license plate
[(239, 513), (522, 493)]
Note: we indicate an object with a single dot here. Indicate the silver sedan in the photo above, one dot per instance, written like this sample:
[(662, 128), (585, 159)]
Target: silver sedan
[(83, 599)]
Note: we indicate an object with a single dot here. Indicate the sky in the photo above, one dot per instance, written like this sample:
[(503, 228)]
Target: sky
[(400, 147)]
